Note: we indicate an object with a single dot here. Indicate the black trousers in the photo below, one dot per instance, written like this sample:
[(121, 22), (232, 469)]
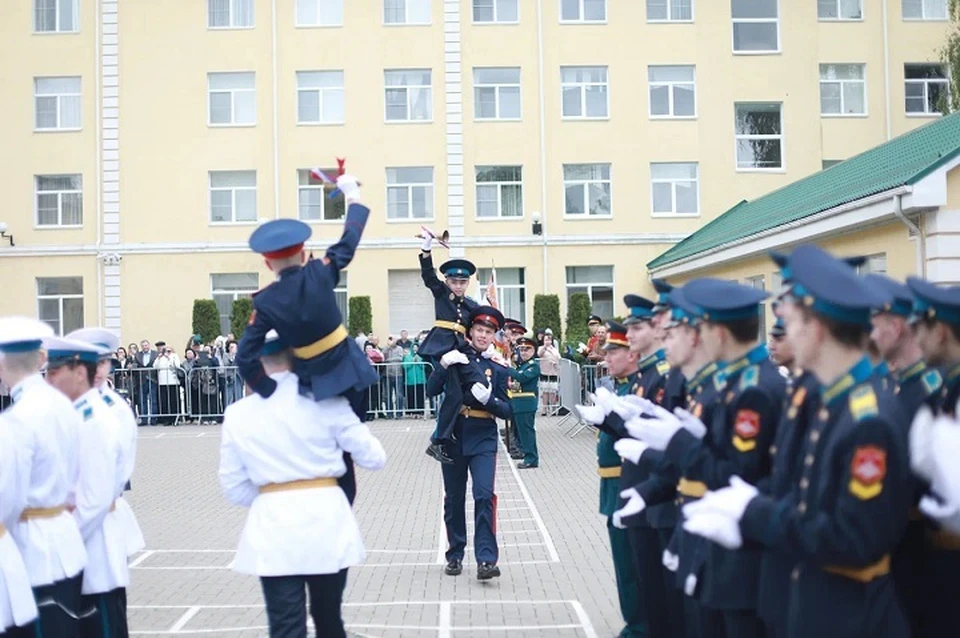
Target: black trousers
[(109, 617), (286, 601), (59, 606)]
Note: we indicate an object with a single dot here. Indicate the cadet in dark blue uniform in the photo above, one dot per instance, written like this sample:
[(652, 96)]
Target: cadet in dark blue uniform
[(524, 401), (302, 307), (853, 492), (475, 447)]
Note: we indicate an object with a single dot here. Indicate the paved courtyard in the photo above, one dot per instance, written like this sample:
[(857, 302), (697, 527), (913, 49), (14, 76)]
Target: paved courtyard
[(557, 575)]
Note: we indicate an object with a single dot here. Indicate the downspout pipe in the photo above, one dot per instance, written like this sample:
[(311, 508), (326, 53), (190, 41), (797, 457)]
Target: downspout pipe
[(917, 232)]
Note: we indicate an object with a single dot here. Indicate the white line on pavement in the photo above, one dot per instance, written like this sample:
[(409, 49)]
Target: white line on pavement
[(184, 619), (584, 619), (551, 548), (446, 620), (139, 559)]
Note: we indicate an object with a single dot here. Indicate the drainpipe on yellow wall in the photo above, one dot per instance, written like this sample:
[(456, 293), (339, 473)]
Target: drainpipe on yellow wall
[(917, 232), (276, 123), (544, 214), (886, 69), (98, 127)]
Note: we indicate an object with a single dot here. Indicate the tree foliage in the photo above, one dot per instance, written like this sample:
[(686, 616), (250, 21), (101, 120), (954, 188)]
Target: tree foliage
[(578, 311), (360, 316), (546, 314), (206, 319), (240, 316)]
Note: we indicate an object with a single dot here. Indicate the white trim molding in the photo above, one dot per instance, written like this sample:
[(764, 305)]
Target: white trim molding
[(109, 114), (453, 100)]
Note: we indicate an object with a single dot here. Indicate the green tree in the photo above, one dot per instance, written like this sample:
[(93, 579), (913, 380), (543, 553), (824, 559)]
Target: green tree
[(546, 314), (360, 315), (240, 316), (579, 309), (206, 319), (950, 56)]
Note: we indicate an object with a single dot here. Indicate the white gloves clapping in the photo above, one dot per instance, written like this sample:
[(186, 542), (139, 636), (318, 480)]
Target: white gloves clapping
[(630, 449), (481, 392), (453, 357), (718, 528), (592, 414), (634, 505), (730, 501)]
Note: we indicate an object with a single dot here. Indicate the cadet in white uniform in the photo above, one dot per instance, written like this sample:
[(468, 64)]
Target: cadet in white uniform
[(46, 429), (17, 606), (281, 457), (122, 411), (72, 369)]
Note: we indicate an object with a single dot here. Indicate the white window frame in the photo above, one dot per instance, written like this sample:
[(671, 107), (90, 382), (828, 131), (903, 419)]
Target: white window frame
[(839, 4), (60, 299), (477, 86), (923, 13), (590, 286), (409, 186), (843, 83), (500, 186), (875, 263), (406, 14), (496, 13), (759, 282), (733, 39), (342, 289), (233, 199), (324, 93), (325, 201), (586, 191), (583, 93), (59, 193), (737, 137), (926, 82), (320, 13), (483, 276), (60, 97), (406, 87), (234, 294), (670, 19), (581, 13), (233, 18), (233, 100), (670, 86), (673, 191), (74, 7)]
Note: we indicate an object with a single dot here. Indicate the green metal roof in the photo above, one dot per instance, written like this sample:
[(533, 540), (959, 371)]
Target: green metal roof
[(902, 161)]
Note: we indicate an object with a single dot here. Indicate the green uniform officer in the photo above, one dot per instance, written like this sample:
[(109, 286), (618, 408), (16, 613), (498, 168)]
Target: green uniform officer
[(524, 401)]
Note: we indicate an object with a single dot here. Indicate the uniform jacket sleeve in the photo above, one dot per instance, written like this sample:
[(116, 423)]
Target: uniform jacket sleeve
[(94, 493), (367, 451), (248, 357), (499, 404), (15, 463), (527, 374), (661, 485), (436, 381), (429, 275), (341, 253), (234, 479)]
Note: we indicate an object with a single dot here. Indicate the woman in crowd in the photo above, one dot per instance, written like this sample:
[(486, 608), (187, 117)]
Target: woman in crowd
[(549, 357), (192, 389), (415, 379), (167, 364)]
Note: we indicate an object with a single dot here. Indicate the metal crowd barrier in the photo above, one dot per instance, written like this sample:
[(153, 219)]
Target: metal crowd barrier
[(173, 395), (401, 391)]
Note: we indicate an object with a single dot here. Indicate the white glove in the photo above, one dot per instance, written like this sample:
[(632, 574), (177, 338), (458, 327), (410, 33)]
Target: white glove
[(481, 392), (592, 414), (670, 561), (630, 449), (718, 528), (921, 444), (453, 357), (350, 188), (634, 505), (690, 585), (605, 399), (730, 501), (655, 431), (427, 243), (946, 514), (690, 423)]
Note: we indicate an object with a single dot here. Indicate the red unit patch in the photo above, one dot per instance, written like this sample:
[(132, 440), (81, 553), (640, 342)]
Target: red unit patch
[(747, 424), (869, 465)]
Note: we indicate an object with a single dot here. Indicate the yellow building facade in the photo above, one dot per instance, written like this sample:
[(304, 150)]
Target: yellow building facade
[(564, 142)]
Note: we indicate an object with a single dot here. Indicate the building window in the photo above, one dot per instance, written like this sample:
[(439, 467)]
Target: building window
[(60, 303), (669, 10), (756, 27), (229, 14), (758, 283), (926, 87), (340, 294), (583, 10), (406, 11), (759, 135), (597, 282), (511, 291), (409, 96), (496, 11), (828, 163), (57, 103), (314, 204), (499, 191), (584, 91), (840, 9), (227, 288), (319, 13), (233, 196), (496, 93), (55, 16), (410, 193), (876, 263), (59, 200), (843, 89), (924, 9), (586, 190), (232, 99), (675, 188), (673, 91), (320, 97)]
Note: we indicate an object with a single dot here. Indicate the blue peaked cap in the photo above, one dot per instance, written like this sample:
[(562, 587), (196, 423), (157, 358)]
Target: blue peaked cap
[(641, 309), (719, 300), (901, 299), (272, 344), (681, 310), (663, 295), (931, 301), (458, 268), (279, 234)]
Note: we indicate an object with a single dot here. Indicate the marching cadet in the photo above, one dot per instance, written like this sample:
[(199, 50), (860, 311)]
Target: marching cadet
[(286, 473), (739, 438), (45, 532), (780, 351), (124, 415), (853, 492), (17, 606), (524, 401), (512, 331), (474, 449), (621, 361), (72, 369)]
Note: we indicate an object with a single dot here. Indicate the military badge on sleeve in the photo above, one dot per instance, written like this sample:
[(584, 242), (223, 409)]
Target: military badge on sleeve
[(746, 427), (867, 471)]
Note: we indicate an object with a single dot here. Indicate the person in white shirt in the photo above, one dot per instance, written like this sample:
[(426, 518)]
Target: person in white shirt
[(72, 369), (281, 456), (46, 429)]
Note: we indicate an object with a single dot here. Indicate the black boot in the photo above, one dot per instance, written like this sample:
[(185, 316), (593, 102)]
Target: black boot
[(436, 451), (454, 567), (486, 571)]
